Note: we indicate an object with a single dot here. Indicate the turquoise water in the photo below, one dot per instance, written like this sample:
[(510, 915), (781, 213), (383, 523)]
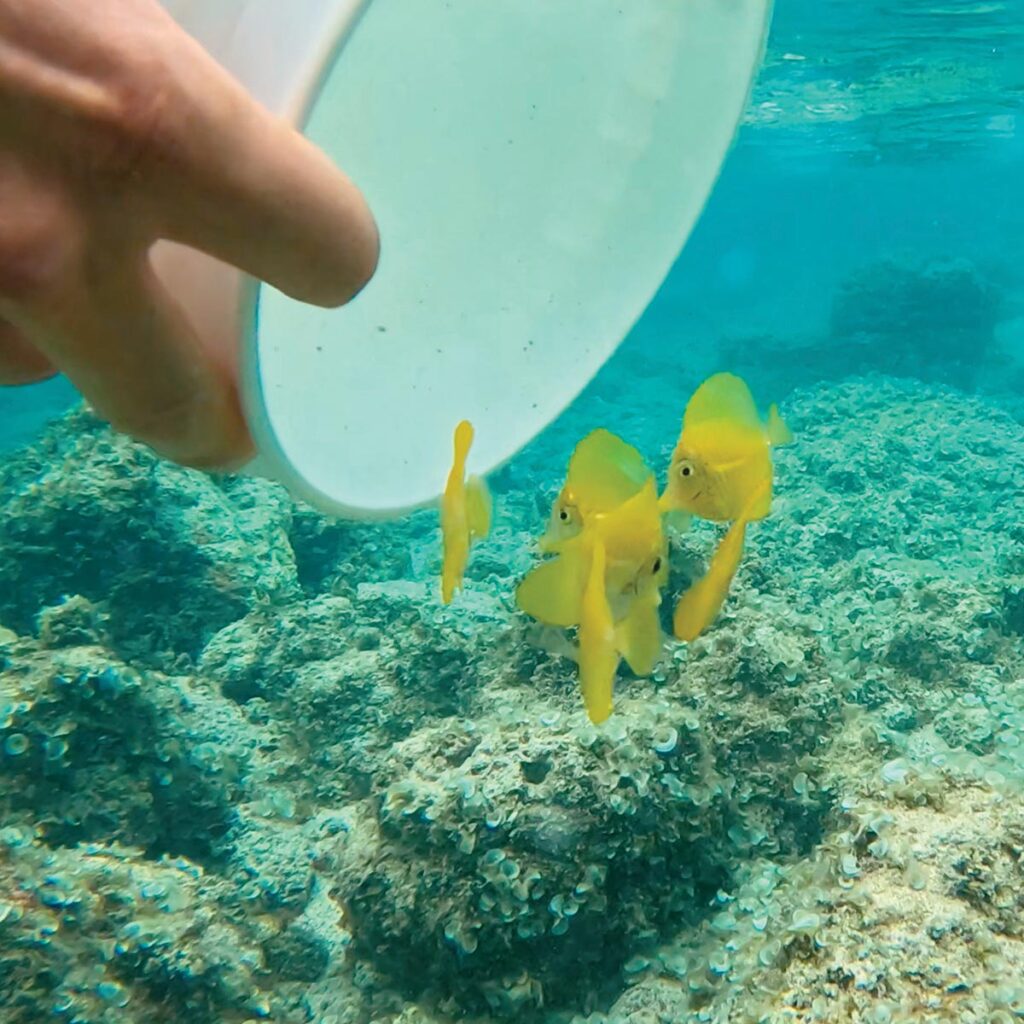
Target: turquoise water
[(251, 769)]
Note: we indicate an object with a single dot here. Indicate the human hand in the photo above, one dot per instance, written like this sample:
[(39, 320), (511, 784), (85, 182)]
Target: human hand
[(116, 130)]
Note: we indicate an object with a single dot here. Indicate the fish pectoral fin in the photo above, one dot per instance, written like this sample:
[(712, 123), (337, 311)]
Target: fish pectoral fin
[(551, 593), (639, 639), (778, 432), (700, 605), (479, 507)]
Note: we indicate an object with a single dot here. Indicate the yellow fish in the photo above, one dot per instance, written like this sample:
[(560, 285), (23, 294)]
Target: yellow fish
[(604, 472), (633, 540), (723, 457), (607, 580), (721, 470), (465, 514)]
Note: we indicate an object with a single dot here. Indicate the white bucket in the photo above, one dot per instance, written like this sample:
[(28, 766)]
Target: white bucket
[(534, 166)]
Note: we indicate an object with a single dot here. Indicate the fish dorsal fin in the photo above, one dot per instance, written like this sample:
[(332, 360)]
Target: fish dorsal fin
[(778, 432), (552, 592), (462, 442), (723, 396), (479, 506), (605, 471)]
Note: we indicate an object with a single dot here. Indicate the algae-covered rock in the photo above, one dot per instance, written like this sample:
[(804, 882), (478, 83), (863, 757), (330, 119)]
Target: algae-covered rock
[(100, 933), (168, 555), (905, 912), (94, 750), (535, 840)]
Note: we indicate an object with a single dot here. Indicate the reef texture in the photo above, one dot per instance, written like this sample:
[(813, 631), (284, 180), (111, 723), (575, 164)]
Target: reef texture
[(250, 769)]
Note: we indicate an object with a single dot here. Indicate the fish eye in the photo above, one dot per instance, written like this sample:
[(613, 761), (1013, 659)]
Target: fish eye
[(686, 469), (657, 566), (563, 515)]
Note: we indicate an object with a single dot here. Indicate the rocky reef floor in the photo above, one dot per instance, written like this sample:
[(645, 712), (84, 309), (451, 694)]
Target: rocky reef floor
[(252, 770)]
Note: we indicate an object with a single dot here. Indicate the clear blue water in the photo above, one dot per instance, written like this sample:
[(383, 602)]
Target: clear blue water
[(251, 770)]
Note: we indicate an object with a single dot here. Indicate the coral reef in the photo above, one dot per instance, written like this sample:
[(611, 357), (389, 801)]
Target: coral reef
[(251, 769)]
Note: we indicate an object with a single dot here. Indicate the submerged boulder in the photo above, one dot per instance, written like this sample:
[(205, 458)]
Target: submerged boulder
[(167, 555)]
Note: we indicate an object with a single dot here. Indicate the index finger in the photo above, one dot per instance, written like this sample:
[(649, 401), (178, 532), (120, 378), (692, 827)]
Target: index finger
[(232, 179)]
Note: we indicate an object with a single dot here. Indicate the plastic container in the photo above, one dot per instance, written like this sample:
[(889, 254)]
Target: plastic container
[(535, 166)]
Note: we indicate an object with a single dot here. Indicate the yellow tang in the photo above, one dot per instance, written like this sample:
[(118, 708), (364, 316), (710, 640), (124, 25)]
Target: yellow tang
[(723, 458), (604, 472), (633, 540), (465, 514), (622, 594)]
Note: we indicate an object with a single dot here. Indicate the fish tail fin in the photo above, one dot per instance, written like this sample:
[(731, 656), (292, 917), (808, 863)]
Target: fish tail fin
[(778, 432), (598, 655), (700, 605), (479, 506)]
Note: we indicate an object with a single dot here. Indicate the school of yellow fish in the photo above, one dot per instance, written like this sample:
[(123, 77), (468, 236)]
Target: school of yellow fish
[(606, 537)]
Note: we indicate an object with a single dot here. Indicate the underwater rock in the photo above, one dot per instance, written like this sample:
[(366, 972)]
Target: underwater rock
[(935, 321), (168, 555), (902, 913), (261, 654), (100, 933), (296, 954), (74, 622), (564, 849), (1013, 610), (336, 555), (94, 750)]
